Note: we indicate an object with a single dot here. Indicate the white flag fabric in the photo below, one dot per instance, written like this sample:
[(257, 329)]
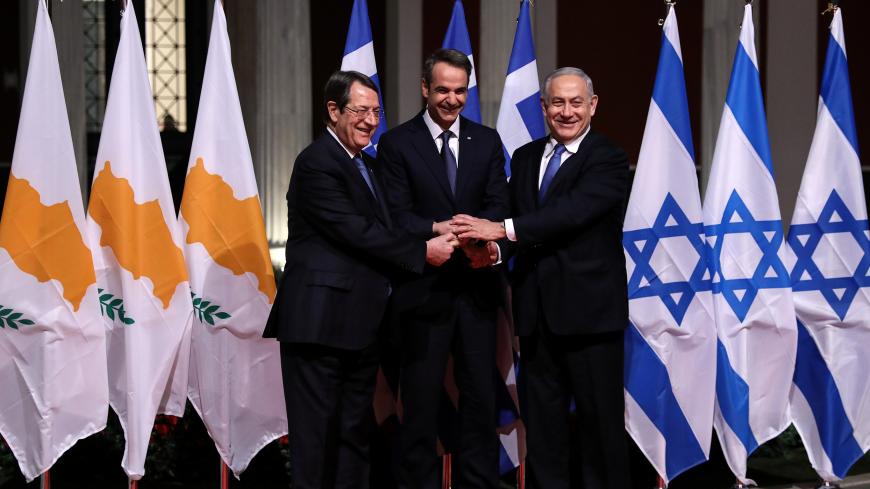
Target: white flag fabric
[(749, 261), (235, 374), (53, 387), (359, 55), (144, 291), (830, 398), (670, 343), (520, 119)]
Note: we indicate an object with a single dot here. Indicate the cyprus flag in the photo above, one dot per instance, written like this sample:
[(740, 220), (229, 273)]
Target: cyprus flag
[(235, 375), (53, 387), (144, 293)]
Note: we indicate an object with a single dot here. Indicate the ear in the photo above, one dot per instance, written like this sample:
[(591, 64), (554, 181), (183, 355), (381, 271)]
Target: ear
[(544, 106), (332, 108), (424, 88), (593, 104)]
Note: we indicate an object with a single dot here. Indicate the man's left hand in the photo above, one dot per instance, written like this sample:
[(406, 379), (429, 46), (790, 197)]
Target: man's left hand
[(467, 227), (480, 255)]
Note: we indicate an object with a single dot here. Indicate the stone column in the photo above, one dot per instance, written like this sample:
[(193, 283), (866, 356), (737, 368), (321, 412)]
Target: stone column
[(544, 28), (66, 19), (404, 59), (721, 32), (498, 23), (792, 91), (272, 56)]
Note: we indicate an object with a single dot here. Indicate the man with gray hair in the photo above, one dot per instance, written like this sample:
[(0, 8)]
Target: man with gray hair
[(570, 300)]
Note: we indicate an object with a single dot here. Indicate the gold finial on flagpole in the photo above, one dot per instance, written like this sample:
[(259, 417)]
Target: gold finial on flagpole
[(832, 7)]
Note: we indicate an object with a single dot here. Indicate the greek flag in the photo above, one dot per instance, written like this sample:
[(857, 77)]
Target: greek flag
[(457, 38), (519, 117), (830, 401), (359, 55), (748, 258), (670, 344)]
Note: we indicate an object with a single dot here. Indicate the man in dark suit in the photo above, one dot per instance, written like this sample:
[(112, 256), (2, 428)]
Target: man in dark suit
[(570, 300), (436, 165), (342, 251)]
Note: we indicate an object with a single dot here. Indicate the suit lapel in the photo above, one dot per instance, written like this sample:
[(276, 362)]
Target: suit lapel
[(533, 171), (347, 165), (467, 155), (384, 213), (570, 166), (425, 146)]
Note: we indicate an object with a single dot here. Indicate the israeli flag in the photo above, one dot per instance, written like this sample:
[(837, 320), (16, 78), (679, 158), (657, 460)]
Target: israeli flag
[(748, 257), (670, 343), (830, 399), (520, 119), (457, 38), (359, 55)]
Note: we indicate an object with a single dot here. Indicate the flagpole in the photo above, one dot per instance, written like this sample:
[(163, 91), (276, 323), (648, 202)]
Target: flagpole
[(225, 475), (132, 484), (828, 485), (660, 483), (521, 476), (45, 480), (446, 469)]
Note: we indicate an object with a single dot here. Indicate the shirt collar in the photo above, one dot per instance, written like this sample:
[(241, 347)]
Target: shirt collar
[(572, 146), (331, 132), (435, 130)]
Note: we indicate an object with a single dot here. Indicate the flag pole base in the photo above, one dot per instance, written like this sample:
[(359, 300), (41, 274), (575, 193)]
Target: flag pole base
[(225, 476), (828, 485)]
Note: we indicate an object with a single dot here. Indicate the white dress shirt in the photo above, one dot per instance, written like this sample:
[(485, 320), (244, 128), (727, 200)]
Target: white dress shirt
[(435, 130), (549, 149), (331, 132)]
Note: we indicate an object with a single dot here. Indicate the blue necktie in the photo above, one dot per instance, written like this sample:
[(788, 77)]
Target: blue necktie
[(552, 167), (364, 171), (449, 160)]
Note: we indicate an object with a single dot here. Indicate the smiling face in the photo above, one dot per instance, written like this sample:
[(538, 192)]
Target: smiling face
[(355, 129), (445, 96), (570, 107)]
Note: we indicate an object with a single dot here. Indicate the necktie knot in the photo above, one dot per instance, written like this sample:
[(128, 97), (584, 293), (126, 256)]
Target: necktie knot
[(559, 149), (445, 136)]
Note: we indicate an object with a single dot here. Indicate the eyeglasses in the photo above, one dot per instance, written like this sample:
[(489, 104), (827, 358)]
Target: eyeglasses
[(363, 112)]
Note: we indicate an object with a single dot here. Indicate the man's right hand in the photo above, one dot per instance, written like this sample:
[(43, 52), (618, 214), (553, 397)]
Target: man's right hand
[(442, 228), (439, 249)]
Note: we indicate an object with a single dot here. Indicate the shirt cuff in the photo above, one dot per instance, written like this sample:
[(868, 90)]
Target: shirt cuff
[(509, 230), (498, 260)]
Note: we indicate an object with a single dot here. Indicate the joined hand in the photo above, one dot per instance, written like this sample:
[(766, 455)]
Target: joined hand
[(467, 227)]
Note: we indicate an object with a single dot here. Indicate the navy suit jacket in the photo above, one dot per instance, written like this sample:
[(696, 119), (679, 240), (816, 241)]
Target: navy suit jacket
[(569, 259), (342, 253), (419, 194)]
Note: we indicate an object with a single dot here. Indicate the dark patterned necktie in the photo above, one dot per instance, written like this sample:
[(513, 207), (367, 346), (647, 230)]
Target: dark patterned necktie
[(449, 160)]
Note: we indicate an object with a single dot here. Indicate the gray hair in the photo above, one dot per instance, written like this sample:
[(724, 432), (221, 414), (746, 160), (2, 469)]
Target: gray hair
[(565, 71)]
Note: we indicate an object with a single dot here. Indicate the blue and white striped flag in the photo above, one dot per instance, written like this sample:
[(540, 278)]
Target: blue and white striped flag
[(830, 401), (520, 119), (752, 295), (670, 345), (457, 38), (359, 55)]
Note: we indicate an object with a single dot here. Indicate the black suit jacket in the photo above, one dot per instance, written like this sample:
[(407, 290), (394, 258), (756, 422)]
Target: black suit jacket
[(569, 258), (342, 253), (419, 194)]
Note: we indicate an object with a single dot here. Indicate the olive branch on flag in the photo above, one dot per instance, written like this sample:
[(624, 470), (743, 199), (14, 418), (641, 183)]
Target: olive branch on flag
[(8, 317), (206, 311), (109, 306)]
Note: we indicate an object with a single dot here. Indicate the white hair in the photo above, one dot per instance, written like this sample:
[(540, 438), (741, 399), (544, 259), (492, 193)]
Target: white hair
[(565, 71)]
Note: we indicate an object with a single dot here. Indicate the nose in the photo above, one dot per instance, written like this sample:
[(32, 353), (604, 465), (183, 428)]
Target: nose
[(371, 118), (566, 111)]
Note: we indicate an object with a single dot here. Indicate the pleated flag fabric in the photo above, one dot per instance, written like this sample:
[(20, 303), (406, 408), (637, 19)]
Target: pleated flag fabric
[(53, 386), (752, 298), (830, 398), (670, 343), (141, 272), (457, 38), (520, 119), (235, 375), (359, 55)]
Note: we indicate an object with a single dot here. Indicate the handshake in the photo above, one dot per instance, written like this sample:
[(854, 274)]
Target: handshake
[(475, 237)]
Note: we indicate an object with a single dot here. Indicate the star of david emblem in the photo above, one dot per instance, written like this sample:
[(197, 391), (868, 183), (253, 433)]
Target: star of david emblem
[(640, 244), (805, 238), (770, 273)]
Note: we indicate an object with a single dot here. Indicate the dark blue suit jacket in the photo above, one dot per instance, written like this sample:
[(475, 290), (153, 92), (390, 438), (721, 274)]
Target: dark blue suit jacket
[(342, 253)]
